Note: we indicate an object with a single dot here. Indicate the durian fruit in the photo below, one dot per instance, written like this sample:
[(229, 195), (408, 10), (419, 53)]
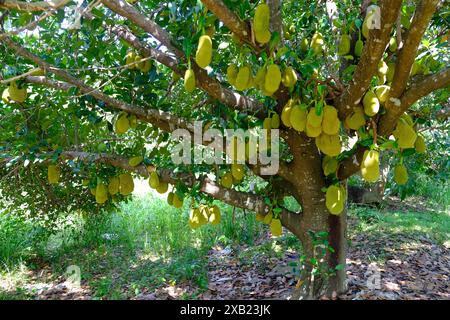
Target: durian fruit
[(126, 184), (177, 202), (368, 21), (420, 145), (162, 187), (393, 45), (298, 118), (203, 55), (344, 45), (113, 186), (329, 165), (329, 145), (17, 94), (330, 122), (400, 174), (289, 77), (371, 104), (101, 193), (135, 161), (189, 80), (261, 23), (130, 58), (267, 123), (275, 121), (313, 123), (273, 78), (286, 114), (232, 72), (382, 93), (153, 181), (268, 218), (122, 124), (356, 120), (53, 173), (390, 73), (238, 171), (227, 180), (243, 78), (335, 199), (214, 215), (304, 45), (404, 134), (170, 196), (383, 68), (359, 46), (317, 43), (276, 228), (370, 166)]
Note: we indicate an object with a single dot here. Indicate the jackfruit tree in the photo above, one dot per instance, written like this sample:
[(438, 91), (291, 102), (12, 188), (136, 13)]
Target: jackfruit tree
[(92, 92)]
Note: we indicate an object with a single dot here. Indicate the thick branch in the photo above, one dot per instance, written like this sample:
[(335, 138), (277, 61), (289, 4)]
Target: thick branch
[(33, 6), (276, 23), (59, 85), (371, 56), (407, 54), (160, 119)]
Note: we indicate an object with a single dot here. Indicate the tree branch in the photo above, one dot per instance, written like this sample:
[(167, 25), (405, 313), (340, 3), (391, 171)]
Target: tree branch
[(371, 56), (276, 23), (33, 6), (59, 85)]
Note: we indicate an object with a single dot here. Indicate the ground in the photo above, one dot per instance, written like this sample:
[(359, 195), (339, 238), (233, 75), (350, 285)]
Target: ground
[(394, 253)]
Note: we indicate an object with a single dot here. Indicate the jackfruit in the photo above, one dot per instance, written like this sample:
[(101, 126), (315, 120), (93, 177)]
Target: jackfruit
[(203, 56), (381, 80), (261, 23), (356, 120), (289, 77), (329, 145), (177, 202), (101, 193), (313, 119), (344, 45), (273, 78), (313, 132), (267, 123), (276, 228), (330, 122), (404, 135), (204, 214), (382, 68), (359, 46), (238, 171), (214, 215), (298, 118), (317, 43), (400, 174), (393, 45), (122, 124), (420, 145), (227, 180), (189, 80), (243, 78), (335, 199), (382, 93), (145, 66), (329, 165), (232, 72), (275, 121), (286, 114), (194, 218), (370, 166), (260, 78), (135, 161), (130, 58), (162, 187), (268, 218), (390, 73), (153, 181), (263, 37), (126, 184), (113, 185), (259, 217), (17, 94), (170, 196), (5, 96), (132, 119), (371, 104), (53, 173), (304, 45)]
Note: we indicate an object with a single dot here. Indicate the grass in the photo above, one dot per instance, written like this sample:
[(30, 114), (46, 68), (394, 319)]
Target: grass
[(148, 245)]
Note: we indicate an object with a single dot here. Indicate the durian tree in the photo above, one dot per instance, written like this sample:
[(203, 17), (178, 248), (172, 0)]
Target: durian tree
[(92, 90)]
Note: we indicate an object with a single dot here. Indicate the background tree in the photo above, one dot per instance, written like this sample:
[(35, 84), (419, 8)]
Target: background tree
[(340, 74)]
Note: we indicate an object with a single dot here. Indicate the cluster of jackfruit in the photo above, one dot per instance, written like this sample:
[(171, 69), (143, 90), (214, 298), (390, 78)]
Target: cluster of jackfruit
[(203, 214), (272, 122), (14, 93), (261, 22), (404, 133), (335, 199), (174, 200), (274, 222), (370, 166), (234, 176), (133, 61), (123, 122), (122, 184), (156, 183)]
